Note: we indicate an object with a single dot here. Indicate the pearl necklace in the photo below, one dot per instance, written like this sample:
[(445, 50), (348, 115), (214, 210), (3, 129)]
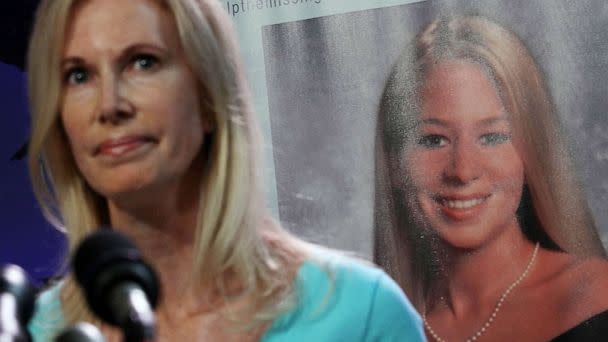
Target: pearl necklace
[(492, 317)]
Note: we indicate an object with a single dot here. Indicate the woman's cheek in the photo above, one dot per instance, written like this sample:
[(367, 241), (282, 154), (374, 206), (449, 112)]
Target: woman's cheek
[(423, 168)]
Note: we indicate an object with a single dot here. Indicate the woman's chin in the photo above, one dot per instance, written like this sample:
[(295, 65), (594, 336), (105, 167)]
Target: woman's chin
[(126, 190), (464, 237)]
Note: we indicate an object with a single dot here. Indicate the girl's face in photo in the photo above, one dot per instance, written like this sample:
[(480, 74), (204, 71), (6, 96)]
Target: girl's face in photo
[(465, 170), (130, 106)]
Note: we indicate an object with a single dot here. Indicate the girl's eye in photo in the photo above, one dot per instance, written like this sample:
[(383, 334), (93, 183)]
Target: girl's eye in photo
[(492, 139), (432, 141), (77, 75), (144, 62)]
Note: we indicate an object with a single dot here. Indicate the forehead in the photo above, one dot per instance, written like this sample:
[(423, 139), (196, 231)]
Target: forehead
[(460, 90), (112, 24)]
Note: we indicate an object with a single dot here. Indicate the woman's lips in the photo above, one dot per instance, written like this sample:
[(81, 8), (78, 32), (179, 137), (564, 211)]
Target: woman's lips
[(121, 146), (463, 208)]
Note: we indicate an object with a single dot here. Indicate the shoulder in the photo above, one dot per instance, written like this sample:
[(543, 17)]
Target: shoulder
[(348, 278), (48, 317), (338, 295), (586, 279), (579, 286)]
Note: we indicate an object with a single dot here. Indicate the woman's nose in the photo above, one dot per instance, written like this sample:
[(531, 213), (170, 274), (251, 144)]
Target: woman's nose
[(464, 165), (114, 106)]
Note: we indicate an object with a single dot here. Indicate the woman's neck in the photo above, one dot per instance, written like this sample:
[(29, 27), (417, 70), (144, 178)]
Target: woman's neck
[(474, 279), (168, 245), (162, 222)]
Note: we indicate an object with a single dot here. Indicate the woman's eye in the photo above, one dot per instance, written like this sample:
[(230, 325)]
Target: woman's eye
[(433, 141), (494, 138), (145, 62), (76, 75)]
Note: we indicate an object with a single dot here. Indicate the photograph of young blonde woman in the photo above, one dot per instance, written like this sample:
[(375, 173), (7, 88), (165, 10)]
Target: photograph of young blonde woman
[(141, 121), (480, 216)]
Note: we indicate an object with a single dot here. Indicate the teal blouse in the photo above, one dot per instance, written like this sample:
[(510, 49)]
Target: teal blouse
[(338, 299)]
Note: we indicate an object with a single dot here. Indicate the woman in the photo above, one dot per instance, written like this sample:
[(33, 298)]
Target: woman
[(142, 122), (479, 215)]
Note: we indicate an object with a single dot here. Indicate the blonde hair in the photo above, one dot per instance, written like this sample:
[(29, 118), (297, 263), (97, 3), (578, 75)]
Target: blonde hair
[(230, 237), (553, 208)]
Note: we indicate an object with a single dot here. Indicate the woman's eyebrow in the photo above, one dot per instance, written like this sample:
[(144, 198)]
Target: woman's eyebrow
[(72, 60), (131, 49), (490, 121), (434, 121), (125, 53)]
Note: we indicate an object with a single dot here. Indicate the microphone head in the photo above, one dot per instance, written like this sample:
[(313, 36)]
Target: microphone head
[(14, 280), (81, 332), (106, 259)]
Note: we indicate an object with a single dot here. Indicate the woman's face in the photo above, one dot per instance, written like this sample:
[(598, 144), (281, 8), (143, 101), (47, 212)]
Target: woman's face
[(466, 172), (130, 105)]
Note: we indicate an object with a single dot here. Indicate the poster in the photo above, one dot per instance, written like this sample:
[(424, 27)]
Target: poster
[(324, 79), (317, 72)]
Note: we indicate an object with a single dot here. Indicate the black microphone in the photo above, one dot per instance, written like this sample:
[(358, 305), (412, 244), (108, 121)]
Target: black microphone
[(119, 286), (17, 298), (81, 332)]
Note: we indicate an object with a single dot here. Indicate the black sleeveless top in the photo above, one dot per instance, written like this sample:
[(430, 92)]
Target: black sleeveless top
[(594, 329)]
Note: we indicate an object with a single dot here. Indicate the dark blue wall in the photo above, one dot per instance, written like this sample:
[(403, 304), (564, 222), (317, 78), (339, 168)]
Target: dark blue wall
[(26, 238)]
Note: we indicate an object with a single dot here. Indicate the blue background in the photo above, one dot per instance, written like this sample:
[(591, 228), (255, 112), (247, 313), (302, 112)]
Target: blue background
[(26, 238)]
